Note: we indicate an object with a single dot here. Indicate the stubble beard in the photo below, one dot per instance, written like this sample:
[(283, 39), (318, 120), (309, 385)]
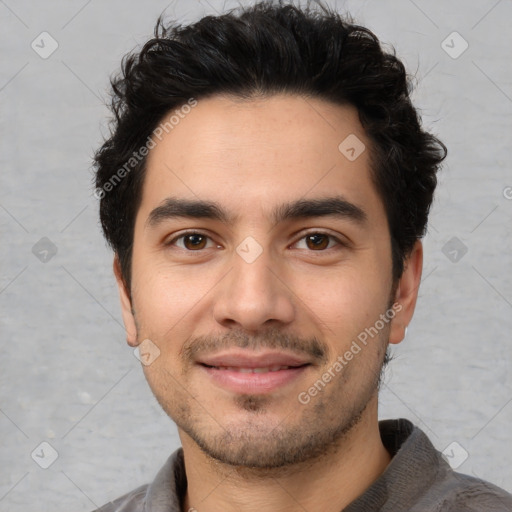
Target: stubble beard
[(257, 448)]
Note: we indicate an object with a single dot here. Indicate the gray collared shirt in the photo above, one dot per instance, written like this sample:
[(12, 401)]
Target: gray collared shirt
[(418, 479)]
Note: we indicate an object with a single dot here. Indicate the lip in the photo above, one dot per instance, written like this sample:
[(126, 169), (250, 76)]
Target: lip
[(246, 359), (224, 370)]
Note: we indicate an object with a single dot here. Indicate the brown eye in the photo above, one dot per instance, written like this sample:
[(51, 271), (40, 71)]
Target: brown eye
[(191, 241), (317, 241), (194, 241)]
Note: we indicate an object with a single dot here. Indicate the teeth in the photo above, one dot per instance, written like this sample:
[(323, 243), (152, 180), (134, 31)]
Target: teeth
[(252, 370)]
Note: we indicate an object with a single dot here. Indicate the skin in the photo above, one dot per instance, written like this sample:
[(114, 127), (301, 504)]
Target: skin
[(271, 452)]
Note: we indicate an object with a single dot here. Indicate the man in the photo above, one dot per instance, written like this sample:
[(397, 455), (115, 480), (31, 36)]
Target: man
[(265, 190)]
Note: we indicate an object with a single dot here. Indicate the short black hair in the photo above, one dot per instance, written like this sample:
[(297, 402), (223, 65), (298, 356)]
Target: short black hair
[(269, 48)]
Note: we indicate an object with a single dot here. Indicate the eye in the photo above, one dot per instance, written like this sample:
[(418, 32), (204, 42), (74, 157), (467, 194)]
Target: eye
[(192, 241), (318, 241)]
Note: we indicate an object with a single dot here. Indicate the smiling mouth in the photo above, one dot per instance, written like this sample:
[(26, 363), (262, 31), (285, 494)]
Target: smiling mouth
[(254, 370), (255, 380)]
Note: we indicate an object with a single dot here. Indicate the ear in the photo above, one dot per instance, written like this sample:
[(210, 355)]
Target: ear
[(407, 293), (126, 305)]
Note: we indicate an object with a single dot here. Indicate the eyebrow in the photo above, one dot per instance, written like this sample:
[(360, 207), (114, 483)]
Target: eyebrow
[(336, 206)]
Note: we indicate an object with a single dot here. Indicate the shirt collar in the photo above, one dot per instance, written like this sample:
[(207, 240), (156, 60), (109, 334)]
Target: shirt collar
[(166, 491), (413, 468), (414, 465)]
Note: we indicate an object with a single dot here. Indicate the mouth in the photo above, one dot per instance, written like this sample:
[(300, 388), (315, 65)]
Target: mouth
[(252, 370), (253, 373)]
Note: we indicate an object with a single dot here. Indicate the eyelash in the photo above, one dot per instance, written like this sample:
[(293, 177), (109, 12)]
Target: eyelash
[(192, 232)]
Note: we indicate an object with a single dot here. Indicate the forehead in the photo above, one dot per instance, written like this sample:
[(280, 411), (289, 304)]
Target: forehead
[(253, 154)]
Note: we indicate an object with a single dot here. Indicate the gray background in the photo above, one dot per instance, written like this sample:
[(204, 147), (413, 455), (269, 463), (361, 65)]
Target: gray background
[(67, 376)]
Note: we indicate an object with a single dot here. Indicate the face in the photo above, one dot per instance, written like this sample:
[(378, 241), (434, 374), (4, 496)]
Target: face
[(261, 259)]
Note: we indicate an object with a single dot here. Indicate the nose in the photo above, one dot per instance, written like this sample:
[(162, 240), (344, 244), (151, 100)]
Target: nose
[(253, 295)]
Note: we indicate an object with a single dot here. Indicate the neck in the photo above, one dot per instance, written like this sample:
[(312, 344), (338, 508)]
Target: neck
[(328, 484)]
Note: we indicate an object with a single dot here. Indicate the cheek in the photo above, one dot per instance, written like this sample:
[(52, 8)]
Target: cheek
[(348, 297), (345, 305), (167, 298)]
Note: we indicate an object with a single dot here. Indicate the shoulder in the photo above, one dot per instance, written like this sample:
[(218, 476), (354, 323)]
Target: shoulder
[(133, 501), (474, 494), (420, 479), (163, 490), (456, 492)]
